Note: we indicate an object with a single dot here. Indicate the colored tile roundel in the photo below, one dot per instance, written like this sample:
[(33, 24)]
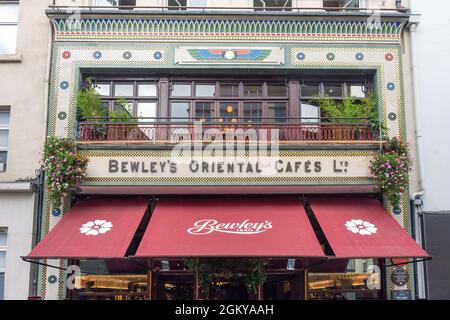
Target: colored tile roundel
[(64, 85), (301, 56), (390, 86), (392, 116), (396, 211), (56, 212), (331, 56), (359, 56), (389, 56), (157, 55), (66, 54), (97, 55), (52, 279), (127, 55), (62, 115)]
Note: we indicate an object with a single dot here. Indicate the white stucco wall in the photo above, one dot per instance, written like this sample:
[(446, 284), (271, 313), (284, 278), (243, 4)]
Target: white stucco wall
[(433, 53), (16, 214)]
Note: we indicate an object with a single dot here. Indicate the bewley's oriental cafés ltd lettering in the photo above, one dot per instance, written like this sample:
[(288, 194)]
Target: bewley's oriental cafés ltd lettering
[(236, 167), (207, 226), (222, 167)]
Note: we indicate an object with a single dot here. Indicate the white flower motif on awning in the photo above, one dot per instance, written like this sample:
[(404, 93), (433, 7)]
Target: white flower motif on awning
[(96, 227), (361, 227)]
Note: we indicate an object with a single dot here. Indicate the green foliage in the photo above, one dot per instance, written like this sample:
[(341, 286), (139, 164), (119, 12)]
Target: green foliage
[(89, 103), (123, 114), (251, 270), (391, 168), (64, 168)]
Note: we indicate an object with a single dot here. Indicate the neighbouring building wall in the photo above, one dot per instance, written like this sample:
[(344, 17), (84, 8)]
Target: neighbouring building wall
[(23, 91), (433, 50), (16, 217)]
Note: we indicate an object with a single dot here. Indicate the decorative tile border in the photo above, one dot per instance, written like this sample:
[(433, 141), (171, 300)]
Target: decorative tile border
[(225, 28)]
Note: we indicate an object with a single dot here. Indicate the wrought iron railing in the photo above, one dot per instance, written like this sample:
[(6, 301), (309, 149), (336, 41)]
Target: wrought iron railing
[(148, 130)]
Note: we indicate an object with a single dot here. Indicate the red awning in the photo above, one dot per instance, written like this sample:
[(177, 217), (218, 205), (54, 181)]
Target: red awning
[(358, 227), (100, 228), (229, 228)]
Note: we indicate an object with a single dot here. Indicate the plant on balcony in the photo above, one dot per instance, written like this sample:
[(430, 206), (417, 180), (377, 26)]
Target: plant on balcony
[(350, 110), (391, 168), (251, 270), (89, 103), (64, 168)]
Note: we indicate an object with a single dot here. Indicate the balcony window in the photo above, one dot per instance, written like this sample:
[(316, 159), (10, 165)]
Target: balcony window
[(253, 111), (276, 90), (9, 19), (186, 4), (334, 90), (3, 240), (253, 90), (310, 90), (205, 90), (146, 111), (340, 4), (115, 3), (229, 90), (180, 111), (356, 90), (277, 111), (229, 111), (204, 111), (181, 90), (123, 90), (272, 5), (147, 90)]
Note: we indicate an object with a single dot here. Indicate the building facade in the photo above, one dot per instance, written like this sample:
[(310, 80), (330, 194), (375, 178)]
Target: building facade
[(179, 80), (23, 107), (432, 206)]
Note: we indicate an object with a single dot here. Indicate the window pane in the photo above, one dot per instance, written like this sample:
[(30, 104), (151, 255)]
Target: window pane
[(204, 110), (8, 35), (4, 118), (197, 3), (309, 113), (123, 90), (277, 111), (124, 107), (146, 110), (355, 91), (176, 3), (229, 90), (2, 286), (9, 12), (253, 111), (2, 259), (273, 5), (310, 90), (179, 111), (277, 90), (253, 90), (105, 3), (4, 138), (181, 90), (147, 90), (333, 90), (3, 160), (3, 236), (229, 111), (205, 90), (103, 89)]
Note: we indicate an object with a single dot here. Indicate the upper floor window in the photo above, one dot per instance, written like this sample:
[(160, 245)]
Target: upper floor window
[(114, 3), (9, 19), (341, 4), (4, 134), (272, 5), (3, 237), (186, 4)]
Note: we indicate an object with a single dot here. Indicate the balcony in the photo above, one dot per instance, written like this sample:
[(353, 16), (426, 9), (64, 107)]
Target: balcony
[(173, 131)]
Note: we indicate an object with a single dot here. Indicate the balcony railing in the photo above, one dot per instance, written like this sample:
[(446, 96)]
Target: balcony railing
[(290, 131)]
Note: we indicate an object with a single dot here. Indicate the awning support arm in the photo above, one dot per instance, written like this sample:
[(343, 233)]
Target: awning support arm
[(44, 264)]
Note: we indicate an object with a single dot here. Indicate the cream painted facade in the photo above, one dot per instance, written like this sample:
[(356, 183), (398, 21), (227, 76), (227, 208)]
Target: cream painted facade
[(23, 92)]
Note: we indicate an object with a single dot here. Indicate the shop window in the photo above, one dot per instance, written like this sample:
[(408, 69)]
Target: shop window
[(4, 135), (351, 280), (272, 5), (9, 19)]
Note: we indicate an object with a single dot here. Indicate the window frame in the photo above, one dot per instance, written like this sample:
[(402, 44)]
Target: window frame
[(5, 127), (11, 23), (4, 249)]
